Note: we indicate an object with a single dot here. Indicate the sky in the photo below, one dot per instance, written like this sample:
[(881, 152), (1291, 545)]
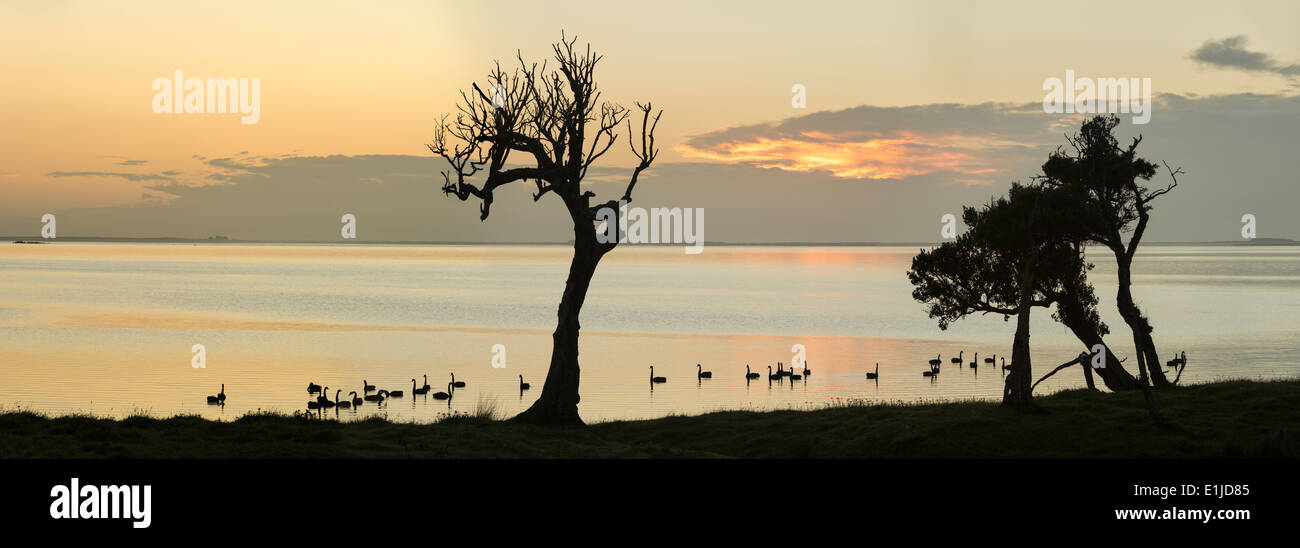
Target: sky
[(912, 110)]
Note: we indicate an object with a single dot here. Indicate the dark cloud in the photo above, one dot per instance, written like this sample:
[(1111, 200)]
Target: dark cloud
[(1234, 149), (1231, 53), (301, 198)]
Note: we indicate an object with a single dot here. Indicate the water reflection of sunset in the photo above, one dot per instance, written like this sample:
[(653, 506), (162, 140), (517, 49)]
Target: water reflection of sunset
[(108, 328)]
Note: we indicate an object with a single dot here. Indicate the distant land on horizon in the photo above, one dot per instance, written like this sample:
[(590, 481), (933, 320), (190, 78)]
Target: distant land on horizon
[(225, 240)]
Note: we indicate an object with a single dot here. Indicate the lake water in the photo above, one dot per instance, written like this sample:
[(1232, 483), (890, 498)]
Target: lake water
[(108, 328)]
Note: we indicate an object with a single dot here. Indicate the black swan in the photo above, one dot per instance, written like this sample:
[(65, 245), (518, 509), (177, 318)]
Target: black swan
[(700, 373), (220, 397), (653, 378)]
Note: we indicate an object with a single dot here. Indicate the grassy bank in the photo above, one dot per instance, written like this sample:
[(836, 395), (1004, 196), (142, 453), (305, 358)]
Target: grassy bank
[(1228, 419)]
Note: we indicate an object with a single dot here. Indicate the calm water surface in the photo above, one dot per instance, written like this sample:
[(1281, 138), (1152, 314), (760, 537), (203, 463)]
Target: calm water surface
[(108, 328)]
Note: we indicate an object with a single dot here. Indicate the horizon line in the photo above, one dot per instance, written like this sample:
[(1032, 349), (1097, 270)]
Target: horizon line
[(175, 239)]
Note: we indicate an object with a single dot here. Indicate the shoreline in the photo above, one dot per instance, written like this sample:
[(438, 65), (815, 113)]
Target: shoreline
[(1226, 419)]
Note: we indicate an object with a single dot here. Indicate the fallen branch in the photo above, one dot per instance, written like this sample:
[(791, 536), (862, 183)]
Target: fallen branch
[(1081, 360)]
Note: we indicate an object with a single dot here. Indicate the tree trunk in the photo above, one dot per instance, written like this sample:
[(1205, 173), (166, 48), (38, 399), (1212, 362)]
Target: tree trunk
[(558, 403), (1149, 396), (1018, 391), (1113, 375), (1148, 360)]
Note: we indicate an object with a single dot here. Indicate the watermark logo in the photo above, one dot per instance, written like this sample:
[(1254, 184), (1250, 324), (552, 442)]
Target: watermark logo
[(200, 358), (800, 98), (48, 226), (498, 356), (948, 226), (1248, 226), (349, 230), (658, 226), (498, 96), (1098, 95), (800, 358), (102, 502), (1098, 356), (182, 95)]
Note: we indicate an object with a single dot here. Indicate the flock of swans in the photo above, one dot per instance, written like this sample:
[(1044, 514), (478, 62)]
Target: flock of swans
[(370, 393), (937, 362), (781, 373)]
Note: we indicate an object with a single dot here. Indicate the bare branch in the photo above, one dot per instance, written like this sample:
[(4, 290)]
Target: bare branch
[(553, 117), (648, 151), (1173, 174), (542, 189)]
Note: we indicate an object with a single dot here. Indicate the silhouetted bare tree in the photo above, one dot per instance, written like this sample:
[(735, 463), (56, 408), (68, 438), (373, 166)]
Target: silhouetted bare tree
[(556, 122)]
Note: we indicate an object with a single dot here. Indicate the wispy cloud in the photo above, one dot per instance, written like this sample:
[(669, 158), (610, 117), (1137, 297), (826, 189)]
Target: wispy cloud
[(1231, 53), (134, 177), (123, 160)]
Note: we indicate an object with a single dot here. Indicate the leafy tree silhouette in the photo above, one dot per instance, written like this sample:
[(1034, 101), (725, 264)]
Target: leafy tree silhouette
[(1018, 253), (965, 277), (1107, 182)]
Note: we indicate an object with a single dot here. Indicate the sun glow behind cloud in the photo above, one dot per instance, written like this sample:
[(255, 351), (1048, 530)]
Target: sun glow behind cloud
[(865, 155)]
